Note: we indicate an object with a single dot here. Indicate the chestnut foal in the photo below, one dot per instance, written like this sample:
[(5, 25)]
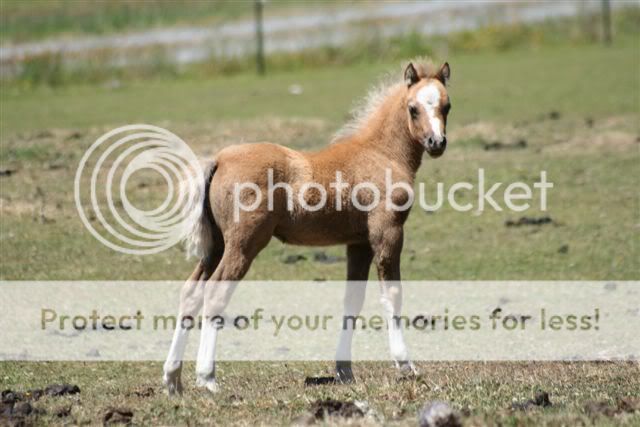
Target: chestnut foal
[(390, 132)]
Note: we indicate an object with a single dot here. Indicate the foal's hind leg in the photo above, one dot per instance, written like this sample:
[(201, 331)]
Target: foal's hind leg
[(358, 264), (191, 296), (235, 263)]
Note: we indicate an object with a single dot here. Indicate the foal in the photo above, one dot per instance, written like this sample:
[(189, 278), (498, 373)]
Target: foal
[(391, 133)]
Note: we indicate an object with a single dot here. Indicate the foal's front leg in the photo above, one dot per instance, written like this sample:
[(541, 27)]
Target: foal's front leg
[(358, 264), (387, 247)]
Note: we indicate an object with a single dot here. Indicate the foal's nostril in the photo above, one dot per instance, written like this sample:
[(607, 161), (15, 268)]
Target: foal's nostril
[(444, 142)]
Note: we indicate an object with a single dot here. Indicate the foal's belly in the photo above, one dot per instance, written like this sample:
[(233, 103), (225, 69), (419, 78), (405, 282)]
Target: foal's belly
[(310, 229)]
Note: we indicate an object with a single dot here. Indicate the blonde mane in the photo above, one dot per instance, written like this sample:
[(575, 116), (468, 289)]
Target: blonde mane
[(367, 106)]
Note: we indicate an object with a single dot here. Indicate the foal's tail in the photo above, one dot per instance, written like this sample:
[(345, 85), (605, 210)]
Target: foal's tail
[(201, 231)]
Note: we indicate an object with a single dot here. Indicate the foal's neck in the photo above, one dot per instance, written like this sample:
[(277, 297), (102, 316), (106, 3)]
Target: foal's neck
[(387, 131)]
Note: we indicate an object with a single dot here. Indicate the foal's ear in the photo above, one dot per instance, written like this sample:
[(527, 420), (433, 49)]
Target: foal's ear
[(444, 73), (410, 75)]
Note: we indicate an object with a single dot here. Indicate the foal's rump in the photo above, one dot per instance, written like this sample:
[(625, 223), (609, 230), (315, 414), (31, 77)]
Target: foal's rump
[(213, 201)]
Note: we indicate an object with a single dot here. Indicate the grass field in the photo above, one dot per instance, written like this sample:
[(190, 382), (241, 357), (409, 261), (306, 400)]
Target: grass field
[(273, 393), (578, 110), (501, 97)]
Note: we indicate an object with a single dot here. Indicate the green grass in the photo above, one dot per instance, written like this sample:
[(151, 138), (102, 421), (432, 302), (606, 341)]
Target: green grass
[(498, 89), (595, 205), (510, 87)]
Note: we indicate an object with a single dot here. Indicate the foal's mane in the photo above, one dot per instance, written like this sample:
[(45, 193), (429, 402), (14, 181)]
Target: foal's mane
[(364, 108)]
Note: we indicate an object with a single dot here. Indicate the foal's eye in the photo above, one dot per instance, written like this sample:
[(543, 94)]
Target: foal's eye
[(413, 110)]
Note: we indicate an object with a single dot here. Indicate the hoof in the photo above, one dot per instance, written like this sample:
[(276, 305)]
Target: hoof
[(344, 374), (407, 368), (172, 382), (209, 384)]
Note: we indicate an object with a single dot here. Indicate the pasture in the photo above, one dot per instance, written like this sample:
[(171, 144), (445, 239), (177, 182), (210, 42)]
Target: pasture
[(575, 107)]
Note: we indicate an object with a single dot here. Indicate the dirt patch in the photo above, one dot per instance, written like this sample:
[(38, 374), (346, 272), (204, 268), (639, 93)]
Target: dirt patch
[(142, 392), (62, 412), (525, 221), (623, 405), (606, 139), (600, 408), (61, 389), (323, 258), (323, 409), (18, 207), (554, 115), (629, 404), (488, 134), (612, 133), (53, 390), (620, 138), (312, 381), (497, 145), (318, 256), (551, 131), (17, 408), (292, 259), (117, 416), (541, 399), (16, 414)]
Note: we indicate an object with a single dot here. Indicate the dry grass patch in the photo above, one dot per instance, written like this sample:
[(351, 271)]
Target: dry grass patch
[(267, 393)]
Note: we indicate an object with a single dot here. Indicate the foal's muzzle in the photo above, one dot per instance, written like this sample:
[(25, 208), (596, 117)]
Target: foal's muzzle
[(434, 147)]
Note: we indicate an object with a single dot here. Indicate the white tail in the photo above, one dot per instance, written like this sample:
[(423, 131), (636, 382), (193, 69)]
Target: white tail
[(199, 228)]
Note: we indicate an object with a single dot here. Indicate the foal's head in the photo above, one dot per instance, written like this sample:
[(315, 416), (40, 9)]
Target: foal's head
[(427, 106)]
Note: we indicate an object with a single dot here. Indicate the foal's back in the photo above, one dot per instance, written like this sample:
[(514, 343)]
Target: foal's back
[(254, 163)]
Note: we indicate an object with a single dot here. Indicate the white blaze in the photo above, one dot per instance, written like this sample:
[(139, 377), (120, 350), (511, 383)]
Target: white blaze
[(429, 97)]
